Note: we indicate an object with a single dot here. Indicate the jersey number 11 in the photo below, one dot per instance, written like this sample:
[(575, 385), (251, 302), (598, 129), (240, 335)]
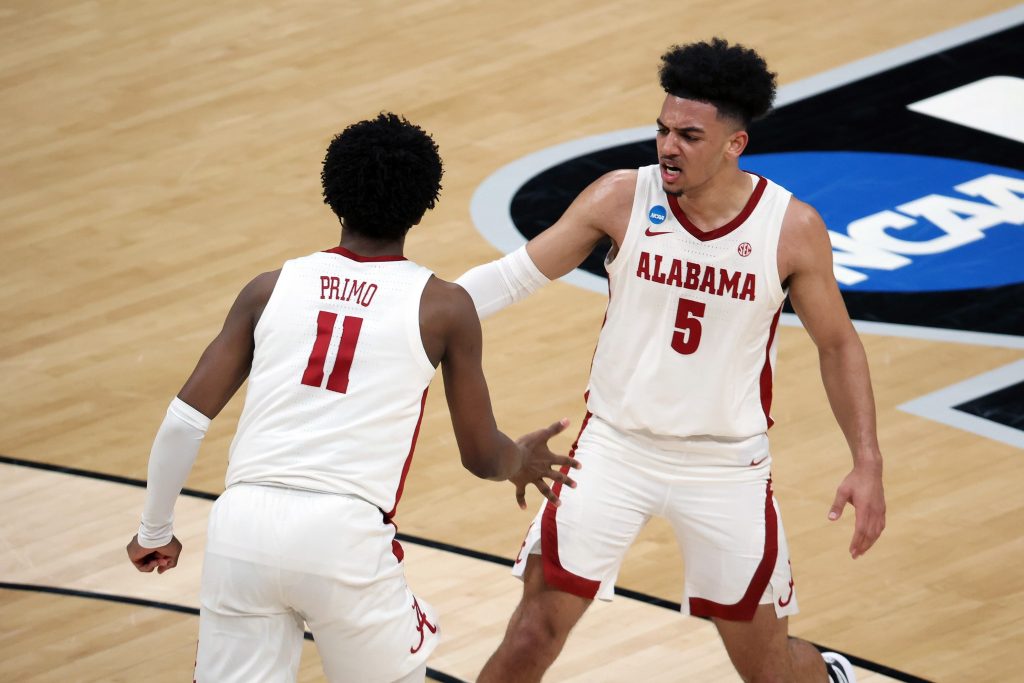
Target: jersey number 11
[(314, 374)]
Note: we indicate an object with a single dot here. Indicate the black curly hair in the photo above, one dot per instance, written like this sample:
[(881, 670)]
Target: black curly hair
[(733, 78), (381, 175)]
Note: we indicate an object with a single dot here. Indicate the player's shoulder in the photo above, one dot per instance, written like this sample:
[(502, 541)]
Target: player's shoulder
[(802, 216), (262, 286), (607, 201), (446, 298), (615, 185), (620, 176), (446, 313), (804, 242), (256, 293)]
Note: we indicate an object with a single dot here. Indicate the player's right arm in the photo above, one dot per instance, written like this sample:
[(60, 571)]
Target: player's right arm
[(601, 210), (221, 370), (805, 264), (452, 337)]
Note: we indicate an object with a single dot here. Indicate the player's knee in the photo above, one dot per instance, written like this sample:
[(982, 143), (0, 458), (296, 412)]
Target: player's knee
[(535, 634)]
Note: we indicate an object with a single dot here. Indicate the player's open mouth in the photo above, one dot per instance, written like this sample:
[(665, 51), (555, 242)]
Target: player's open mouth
[(670, 173)]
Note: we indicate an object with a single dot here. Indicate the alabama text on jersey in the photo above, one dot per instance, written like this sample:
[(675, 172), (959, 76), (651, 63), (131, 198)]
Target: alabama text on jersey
[(688, 345)]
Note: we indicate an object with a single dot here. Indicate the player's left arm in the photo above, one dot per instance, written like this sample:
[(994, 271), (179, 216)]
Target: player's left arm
[(225, 363), (805, 264), (221, 370), (452, 336)]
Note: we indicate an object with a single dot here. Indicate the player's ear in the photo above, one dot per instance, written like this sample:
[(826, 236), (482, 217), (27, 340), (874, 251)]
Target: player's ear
[(737, 143)]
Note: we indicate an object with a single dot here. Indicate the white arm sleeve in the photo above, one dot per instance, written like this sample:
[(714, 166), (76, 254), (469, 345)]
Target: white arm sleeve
[(174, 451), (501, 283)]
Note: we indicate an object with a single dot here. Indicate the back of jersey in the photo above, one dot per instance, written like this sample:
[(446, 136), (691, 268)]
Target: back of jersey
[(339, 378)]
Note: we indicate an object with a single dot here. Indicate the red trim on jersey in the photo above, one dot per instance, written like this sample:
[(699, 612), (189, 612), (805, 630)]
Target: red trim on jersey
[(604, 321), (748, 208), (555, 574), (408, 459), (747, 605), (342, 251), (766, 372)]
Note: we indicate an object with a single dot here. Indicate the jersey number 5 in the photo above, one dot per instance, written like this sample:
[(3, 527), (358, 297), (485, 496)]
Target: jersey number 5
[(314, 374), (686, 338)]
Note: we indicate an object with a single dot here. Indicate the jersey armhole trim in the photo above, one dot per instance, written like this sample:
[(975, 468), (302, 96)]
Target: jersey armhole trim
[(415, 333), (772, 251), (271, 301)]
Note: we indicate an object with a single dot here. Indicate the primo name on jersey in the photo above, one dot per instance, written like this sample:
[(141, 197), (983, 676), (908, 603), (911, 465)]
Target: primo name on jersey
[(332, 288)]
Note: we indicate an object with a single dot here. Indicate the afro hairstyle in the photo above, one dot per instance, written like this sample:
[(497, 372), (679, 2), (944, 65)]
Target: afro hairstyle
[(733, 78), (381, 175)]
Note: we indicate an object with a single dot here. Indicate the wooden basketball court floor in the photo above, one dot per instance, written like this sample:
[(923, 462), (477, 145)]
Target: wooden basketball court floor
[(156, 156)]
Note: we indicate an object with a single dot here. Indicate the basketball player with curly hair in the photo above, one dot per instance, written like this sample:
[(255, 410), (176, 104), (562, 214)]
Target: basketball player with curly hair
[(679, 397), (339, 348)]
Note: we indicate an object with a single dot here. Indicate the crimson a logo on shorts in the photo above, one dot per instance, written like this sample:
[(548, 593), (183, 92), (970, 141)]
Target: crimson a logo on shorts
[(421, 624), (789, 598)]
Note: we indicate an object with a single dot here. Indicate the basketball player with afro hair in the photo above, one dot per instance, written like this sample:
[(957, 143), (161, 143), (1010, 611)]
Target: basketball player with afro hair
[(339, 348)]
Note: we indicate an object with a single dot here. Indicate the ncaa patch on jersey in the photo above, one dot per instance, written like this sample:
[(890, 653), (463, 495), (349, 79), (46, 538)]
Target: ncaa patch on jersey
[(914, 158)]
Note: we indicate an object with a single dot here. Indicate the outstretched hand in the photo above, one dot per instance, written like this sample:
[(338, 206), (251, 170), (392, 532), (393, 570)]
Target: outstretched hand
[(862, 488), (539, 463), (147, 559)]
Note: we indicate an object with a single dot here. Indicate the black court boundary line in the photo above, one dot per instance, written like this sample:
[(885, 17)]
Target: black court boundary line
[(117, 479), (156, 604), (867, 664)]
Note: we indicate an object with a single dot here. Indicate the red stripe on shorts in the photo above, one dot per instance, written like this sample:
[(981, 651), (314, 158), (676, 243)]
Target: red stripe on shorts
[(555, 575), (745, 608)]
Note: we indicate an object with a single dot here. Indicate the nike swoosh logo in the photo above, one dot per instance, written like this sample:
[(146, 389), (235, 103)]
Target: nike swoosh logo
[(655, 234), (755, 463)]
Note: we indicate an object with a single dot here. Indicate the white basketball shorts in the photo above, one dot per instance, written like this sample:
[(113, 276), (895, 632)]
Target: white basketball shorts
[(278, 557), (716, 494)]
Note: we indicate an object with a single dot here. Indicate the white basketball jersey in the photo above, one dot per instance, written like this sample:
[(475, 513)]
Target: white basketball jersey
[(688, 344), (339, 378)]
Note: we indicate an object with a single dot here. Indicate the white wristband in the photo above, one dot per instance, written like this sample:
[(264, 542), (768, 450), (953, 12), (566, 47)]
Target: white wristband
[(501, 283), (174, 451)]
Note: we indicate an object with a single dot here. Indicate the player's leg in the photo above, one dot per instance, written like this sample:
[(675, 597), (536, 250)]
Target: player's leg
[(572, 552), (245, 634), (350, 587), (737, 561), (537, 630), (376, 633), (762, 652)]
